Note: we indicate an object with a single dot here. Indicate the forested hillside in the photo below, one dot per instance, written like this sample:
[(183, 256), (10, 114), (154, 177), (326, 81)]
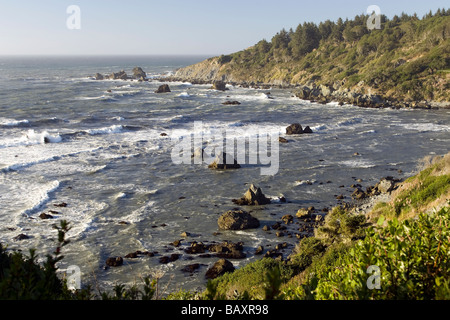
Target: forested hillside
[(408, 58)]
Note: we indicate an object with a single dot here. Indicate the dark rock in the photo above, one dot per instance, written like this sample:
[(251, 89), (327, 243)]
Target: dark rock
[(61, 205), (287, 218), (99, 76), (219, 268), (219, 85), (191, 268), (253, 196), (237, 220), (303, 214), (358, 194), (114, 261), (166, 259), (224, 161), (121, 75), (259, 250), (307, 130), (138, 73), (163, 88), (44, 215), (196, 247), (231, 103), (228, 250), (295, 128), (282, 140), (21, 236)]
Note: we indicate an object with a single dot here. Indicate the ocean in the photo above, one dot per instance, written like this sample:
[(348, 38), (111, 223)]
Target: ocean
[(99, 154)]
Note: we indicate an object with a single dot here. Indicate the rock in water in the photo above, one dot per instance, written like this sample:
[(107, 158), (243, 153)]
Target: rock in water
[(219, 85), (99, 76), (224, 161), (163, 89), (228, 102), (219, 268), (237, 220), (114, 261), (139, 74), (122, 75), (307, 130), (295, 128), (253, 196)]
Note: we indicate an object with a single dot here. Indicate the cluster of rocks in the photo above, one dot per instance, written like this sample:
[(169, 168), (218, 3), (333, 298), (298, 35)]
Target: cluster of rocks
[(336, 92), (138, 74), (296, 128), (385, 185), (222, 161)]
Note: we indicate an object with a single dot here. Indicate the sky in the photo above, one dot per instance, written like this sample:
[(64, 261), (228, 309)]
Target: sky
[(174, 27)]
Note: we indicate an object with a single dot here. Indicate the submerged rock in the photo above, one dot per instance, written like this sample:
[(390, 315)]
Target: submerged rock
[(237, 220), (231, 102), (114, 261), (253, 196)]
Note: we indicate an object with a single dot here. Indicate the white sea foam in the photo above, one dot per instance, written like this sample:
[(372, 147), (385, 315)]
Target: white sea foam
[(424, 127), (31, 137), (358, 163), (105, 130), (38, 196), (184, 95), (12, 122)]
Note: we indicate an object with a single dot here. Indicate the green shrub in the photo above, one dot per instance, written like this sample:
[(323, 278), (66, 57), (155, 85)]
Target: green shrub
[(252, 281), (22, 278), (412, 257)]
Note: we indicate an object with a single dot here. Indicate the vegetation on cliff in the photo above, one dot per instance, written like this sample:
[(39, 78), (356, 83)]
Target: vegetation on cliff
[(407, 59)]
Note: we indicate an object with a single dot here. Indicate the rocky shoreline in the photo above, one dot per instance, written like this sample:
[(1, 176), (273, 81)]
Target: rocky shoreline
[(300, 224), (311, 91), (323, 94)]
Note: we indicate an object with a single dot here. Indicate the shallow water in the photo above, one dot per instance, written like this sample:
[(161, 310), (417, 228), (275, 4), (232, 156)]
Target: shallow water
[(107, 160)]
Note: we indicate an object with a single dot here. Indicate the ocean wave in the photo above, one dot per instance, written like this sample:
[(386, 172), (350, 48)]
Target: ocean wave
[(106, 130), (31, 138), (12, 122), (358, 163), (425, 127), (40, 197)]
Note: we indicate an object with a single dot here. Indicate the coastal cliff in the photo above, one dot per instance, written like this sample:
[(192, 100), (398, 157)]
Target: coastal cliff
[(406, 63)]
